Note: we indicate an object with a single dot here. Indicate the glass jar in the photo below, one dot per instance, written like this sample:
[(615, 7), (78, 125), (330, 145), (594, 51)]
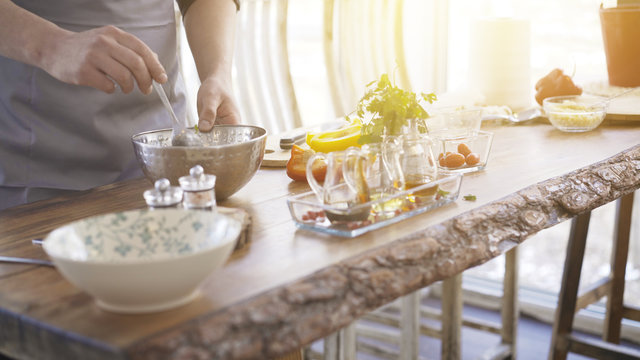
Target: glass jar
[(163, 195), (198, 189)]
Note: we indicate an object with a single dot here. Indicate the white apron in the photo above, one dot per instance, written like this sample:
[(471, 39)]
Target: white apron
[(56, 137)]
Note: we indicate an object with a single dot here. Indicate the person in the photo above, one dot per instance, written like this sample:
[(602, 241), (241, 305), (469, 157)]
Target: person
[(68, 76)]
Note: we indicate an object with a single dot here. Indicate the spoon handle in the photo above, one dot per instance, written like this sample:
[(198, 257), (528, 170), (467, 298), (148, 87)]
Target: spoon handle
[(167, 104), (622, 93), (19, 260)]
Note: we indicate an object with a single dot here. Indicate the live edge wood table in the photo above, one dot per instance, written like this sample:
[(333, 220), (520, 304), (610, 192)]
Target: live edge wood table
[(290, 287)]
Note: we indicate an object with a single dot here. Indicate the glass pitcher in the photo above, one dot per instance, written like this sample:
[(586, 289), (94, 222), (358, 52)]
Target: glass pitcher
[(345, 185), (409, 158)]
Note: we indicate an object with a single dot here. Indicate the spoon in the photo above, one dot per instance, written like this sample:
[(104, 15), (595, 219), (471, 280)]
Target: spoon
[(608, 100), (180, 136), (521, 117), (20, 260)]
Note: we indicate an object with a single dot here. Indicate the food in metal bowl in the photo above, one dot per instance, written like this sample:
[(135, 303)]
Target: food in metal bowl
[(233, 153)]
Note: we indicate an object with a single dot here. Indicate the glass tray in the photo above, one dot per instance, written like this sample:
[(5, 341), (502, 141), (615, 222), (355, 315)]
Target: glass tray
[(308, 213)]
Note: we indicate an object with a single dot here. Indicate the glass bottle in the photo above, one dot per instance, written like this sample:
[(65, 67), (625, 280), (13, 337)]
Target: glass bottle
[(415, 162), (198, 189), (163, 195)]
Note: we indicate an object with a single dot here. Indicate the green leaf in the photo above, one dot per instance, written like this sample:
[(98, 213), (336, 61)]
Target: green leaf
[(443, 193), (469, 197), (390, 108)]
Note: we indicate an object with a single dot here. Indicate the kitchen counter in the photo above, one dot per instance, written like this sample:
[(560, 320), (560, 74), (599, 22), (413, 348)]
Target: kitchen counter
[(289, 287)]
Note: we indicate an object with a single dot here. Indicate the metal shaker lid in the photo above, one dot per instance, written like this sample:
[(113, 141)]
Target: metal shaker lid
[(197, 180), (163, 194)]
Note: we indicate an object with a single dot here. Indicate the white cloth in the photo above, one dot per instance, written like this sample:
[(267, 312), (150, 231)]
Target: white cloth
[(56, 136)]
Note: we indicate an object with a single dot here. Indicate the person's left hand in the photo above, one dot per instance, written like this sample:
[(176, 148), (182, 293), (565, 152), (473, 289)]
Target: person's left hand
[(216, 104)]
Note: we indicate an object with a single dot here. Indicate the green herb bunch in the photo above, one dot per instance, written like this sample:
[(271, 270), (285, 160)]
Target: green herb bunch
[(390, 108)]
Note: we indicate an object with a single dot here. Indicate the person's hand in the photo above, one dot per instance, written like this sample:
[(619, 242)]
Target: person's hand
[(215, 104), (100, 56)]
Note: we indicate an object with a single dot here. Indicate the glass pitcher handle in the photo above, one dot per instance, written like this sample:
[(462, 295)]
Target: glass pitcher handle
[(391, 149), (315, 186), (354, 172)]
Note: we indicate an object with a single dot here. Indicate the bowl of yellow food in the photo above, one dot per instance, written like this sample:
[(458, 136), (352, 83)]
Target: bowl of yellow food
[(575, 113)]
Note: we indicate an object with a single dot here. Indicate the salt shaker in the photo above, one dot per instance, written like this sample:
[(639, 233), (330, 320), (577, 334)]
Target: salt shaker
[(163, 195), (198, 189)]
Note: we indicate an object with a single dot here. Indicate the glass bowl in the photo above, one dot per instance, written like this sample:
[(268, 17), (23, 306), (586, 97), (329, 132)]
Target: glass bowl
[(575, 113), (462, 154), (455, 120)]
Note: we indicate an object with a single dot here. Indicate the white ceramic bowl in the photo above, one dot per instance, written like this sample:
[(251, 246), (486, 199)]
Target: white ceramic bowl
[(143, 260)]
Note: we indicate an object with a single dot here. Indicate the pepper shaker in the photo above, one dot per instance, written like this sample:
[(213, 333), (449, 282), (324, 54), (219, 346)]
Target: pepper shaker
[(163, 195), (198, 189)]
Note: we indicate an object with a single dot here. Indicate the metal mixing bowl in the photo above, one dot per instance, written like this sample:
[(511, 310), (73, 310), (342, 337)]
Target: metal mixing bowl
[(233, 153)]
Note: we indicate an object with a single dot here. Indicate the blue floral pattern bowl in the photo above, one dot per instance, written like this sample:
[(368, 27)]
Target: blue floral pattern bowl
[(143, 260)]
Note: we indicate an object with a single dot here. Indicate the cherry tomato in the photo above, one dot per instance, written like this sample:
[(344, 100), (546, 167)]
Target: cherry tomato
[(453, 160), (464, 149), (472, 159)]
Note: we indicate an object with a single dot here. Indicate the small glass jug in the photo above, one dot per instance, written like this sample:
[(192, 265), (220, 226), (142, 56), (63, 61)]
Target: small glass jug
[(410, 161), (344, 185)]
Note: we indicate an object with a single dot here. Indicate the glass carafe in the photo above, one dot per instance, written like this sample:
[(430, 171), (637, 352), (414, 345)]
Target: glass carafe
[(345, 185), (409, 158)]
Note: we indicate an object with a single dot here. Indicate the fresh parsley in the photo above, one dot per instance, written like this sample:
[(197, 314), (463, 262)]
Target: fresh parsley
[(469, 197), (390, 109), (442, 193)]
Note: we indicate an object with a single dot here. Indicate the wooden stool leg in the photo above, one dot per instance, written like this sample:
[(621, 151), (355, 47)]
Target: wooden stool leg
[(619, 254), (510, 312), (410, 326), (569, 289), (348, 342), (341, 345), (331, 347), (451, 317)]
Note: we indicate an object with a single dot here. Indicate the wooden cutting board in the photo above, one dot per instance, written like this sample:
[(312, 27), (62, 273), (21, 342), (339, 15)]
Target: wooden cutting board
[(273, 155), (624, 109)]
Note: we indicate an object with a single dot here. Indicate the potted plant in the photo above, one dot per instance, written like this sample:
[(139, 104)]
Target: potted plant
[(621, 37)]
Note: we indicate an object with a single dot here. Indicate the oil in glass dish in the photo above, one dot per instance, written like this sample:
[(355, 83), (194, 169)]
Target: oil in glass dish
[(344, 213), (425, 193), (389, 208)]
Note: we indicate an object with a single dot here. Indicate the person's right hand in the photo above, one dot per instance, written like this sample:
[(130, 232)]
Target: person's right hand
[(102, 56)]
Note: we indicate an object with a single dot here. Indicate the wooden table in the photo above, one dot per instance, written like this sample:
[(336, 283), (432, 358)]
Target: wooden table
[(290, 287)]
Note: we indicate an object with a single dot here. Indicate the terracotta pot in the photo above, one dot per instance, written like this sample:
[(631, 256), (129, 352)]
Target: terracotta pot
[(621, 36)]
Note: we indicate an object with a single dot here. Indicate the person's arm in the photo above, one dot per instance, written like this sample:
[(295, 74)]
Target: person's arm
[(95, 58), (210, 27)]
